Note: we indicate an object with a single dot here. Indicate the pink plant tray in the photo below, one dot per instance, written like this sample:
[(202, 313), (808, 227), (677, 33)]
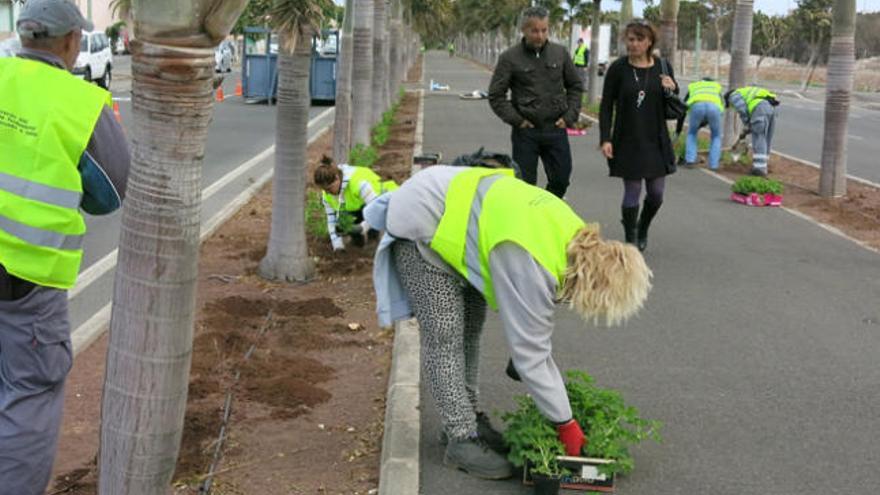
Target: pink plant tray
[(576, 132), (755, 199)]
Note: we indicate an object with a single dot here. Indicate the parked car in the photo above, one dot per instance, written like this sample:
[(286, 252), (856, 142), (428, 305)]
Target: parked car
[(94, 62), (223, 56), (9, 47)]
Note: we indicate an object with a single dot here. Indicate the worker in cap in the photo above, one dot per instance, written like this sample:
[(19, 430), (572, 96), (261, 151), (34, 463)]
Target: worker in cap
[(62, 153)]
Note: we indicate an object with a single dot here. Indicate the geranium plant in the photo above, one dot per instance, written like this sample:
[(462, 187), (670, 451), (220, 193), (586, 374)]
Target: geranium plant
[(610, 426), (760, 185)]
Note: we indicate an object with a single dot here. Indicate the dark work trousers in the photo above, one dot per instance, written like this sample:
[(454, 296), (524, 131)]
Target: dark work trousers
[(35, 357), (551, 145)]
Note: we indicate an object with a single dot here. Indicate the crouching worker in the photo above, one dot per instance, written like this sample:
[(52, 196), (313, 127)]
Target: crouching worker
[(757, 110), (459, 239), (347, 190)]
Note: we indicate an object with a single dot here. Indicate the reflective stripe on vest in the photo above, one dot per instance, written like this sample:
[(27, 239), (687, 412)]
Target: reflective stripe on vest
[(351, 197), (580, 55), (709, 91), (510, 211), (754, 95), (47, 117)]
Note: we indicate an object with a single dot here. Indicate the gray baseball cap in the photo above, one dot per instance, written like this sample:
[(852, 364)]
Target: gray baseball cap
[(50, 18)]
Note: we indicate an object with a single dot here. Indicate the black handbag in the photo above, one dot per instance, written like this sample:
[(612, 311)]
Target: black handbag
[(673, 107)]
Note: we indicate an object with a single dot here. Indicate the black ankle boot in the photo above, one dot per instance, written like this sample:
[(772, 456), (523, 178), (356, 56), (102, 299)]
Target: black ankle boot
[(630, 216), (648, 212)]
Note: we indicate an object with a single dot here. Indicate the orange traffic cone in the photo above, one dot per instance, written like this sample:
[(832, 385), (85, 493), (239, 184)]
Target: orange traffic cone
[(219, 97), (238, 89), (116, 112)]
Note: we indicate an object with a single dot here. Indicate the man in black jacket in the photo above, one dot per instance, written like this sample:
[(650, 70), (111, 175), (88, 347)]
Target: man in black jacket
[(546, 98)]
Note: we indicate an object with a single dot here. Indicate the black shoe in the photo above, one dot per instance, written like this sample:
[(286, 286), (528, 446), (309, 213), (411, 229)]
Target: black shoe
[(488, 435), (372, 234), (759, 172), (511, 371), (648, 212), (473, 456), (630, 216)]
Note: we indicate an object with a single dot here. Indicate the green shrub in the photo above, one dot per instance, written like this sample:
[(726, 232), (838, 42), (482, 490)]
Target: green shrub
[(363, 156), (760, 185), (316, 218), (608, 423)]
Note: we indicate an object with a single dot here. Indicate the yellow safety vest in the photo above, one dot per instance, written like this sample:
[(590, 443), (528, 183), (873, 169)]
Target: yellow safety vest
[(512, 211), (754, 95), (47, 117), (351, 198), (580, 55), (709, 91)]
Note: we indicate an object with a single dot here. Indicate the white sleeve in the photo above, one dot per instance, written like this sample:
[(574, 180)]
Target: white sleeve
[(366, 192), (526, 295), (335, 239)]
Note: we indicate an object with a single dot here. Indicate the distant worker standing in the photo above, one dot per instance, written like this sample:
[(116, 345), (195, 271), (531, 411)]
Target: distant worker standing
[(61, 151), (757, 110), (581, 56), (451, 48), (545, 99), (705, 105)]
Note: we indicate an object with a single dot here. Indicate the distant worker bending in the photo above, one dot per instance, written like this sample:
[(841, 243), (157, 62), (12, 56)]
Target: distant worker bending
[(757, 110)]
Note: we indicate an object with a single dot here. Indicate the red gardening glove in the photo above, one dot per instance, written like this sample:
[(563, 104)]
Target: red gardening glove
[(571, 435)]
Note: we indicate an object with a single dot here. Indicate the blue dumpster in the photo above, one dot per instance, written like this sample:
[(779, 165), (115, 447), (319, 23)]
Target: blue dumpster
[(259, 68), (322, 79)]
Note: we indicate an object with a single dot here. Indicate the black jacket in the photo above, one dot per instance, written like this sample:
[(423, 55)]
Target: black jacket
[(543, 84)]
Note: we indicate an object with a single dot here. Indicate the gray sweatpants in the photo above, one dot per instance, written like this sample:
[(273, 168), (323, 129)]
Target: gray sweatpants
[(35, 357), (450, 313), (763, 123)]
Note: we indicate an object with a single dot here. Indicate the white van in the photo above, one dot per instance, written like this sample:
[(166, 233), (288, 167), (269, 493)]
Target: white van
[(95, 60)]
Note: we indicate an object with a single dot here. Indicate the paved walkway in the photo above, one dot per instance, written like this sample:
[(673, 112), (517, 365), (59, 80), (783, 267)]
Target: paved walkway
[(757, 348)]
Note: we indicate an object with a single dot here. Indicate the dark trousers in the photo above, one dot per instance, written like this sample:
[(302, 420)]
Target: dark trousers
[(551, 145)]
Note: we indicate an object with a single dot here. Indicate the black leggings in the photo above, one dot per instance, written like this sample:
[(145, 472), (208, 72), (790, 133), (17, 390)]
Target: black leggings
[(632, 191)]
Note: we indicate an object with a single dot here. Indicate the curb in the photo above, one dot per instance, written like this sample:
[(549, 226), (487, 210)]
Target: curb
[(399, 465)]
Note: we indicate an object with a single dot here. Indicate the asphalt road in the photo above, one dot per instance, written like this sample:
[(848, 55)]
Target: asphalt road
[(757, 347), (239, 132)]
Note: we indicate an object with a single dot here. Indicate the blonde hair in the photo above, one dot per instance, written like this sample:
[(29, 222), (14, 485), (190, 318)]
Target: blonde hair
[(604, 278)]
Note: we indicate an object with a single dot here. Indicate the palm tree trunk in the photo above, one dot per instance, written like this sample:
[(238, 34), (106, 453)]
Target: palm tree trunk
[(395, 46), (593, 75), (717, 48), (668, 29), (287, 257), (740, 47), (342, 116), (626, 14), (148, 358), (380, 67), (362, 73), (841, 63)]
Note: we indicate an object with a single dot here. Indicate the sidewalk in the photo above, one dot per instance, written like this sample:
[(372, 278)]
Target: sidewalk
[(757, 347)]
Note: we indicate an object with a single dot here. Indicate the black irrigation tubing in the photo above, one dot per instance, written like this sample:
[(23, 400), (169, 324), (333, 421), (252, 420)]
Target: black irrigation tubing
[(227, 411)]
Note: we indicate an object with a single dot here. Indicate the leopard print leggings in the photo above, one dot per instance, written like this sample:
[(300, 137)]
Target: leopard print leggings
[(450, 313)]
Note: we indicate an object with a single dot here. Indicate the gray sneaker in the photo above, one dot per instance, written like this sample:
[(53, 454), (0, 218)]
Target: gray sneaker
[(473, 456), (489, 435)]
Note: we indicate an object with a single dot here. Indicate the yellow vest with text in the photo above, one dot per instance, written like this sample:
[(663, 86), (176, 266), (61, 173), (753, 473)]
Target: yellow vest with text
[(754, 95), (352, 200), (512, 211), (708, 91), (47, 117), (580, 55)]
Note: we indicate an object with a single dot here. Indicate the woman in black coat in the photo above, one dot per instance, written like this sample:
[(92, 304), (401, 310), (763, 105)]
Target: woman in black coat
[(639, 147)]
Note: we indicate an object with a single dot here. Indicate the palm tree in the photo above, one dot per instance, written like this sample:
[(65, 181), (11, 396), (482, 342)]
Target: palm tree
[(668, 29), (626, 14), (380, 63), (841, 63), (593, 75), (740, 47), (342, 122), (395, 48), (287, 257), (362, 73), (148, 357)]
